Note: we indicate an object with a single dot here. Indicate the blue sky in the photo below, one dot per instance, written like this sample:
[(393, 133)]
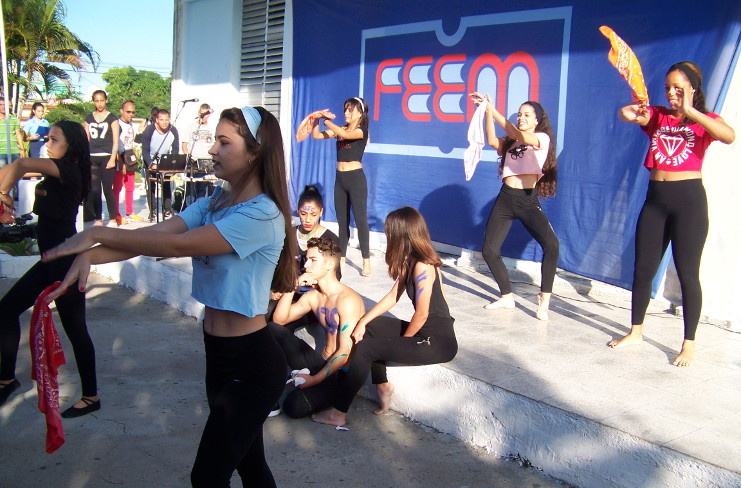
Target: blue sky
[(134, 33)]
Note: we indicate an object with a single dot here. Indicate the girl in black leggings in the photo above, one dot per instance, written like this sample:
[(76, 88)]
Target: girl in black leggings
[(428, 338), (528, 170), (676, 208), (58, 197), (351, 186)]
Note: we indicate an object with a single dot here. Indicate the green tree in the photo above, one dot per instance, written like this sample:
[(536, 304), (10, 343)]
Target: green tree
[(146, 89), (37, 42)]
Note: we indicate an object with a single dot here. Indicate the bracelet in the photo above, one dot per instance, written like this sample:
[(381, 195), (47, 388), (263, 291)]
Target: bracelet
[(4, 193)]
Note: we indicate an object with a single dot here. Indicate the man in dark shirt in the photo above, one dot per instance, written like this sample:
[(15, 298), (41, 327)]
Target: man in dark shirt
[(158, 139)]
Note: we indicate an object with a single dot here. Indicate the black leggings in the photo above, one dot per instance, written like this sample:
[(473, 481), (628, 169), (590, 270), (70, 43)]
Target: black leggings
[(676, 212), (244, 378), (71, 309), (100, 176), (299, 402), (351, 189), (513, 203), (383, 342)]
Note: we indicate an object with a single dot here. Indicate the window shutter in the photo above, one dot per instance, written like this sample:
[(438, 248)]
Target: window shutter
[(262, 52)]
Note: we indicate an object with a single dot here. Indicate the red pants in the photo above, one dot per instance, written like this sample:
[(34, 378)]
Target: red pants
[(118, 182)]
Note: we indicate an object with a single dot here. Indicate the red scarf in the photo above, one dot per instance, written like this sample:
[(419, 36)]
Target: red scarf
[(46, 357)]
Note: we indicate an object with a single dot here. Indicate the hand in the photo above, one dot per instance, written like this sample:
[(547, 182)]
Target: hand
[(79, 272), (359, 332), (7, 215), (75, 244), (327, 114), (305, 280), (688, 94), (111, 163), (7, 200), (309, 381), (275, 295)]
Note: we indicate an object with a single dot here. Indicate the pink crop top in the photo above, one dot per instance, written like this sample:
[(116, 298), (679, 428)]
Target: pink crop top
[(675, 147), (522, 159)]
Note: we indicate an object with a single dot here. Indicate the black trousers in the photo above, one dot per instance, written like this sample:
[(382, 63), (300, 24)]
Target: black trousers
[(101, 178), (300, 402), (676, 212), (383, 342), (523, 205), (71, 309), (351, 190), (245, 377)]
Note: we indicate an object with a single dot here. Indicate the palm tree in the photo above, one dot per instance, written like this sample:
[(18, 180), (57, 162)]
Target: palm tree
[(37, 43)]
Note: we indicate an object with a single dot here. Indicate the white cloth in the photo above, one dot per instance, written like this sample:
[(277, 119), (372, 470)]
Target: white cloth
[(472, 155)]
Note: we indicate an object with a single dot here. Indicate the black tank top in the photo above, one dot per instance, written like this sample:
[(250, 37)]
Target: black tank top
[(439, 321)]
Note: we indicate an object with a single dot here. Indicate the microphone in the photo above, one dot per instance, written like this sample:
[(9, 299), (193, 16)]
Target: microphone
[(189, 100)]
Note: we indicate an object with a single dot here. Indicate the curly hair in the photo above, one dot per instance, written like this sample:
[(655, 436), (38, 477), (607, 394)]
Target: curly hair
[(546, 185), (326, 246), (78, 151)]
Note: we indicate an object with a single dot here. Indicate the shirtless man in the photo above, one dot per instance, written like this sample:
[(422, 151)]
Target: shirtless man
[(337, 308)]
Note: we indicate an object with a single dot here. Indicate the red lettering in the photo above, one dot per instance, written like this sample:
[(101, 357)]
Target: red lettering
[(503, 69), (412, 89), (381, 88), (442, 88)]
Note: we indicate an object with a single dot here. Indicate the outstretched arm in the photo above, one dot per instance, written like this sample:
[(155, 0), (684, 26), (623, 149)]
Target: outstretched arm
[(635, 113), (380, 308), (316, 132), (11, 173), (492, 114)]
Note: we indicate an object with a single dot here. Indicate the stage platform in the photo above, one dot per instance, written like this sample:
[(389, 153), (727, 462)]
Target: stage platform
[(551, 392)]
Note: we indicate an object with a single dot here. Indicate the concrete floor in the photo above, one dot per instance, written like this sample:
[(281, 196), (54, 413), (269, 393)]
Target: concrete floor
[(150, 374)]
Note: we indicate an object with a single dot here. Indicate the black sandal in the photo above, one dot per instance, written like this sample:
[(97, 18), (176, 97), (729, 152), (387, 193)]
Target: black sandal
[(90, 407)]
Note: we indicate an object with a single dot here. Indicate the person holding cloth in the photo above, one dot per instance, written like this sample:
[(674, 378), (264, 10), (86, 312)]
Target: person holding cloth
[(58, 196), (676, 207), (241, 241), (351, 186), (528, 171)]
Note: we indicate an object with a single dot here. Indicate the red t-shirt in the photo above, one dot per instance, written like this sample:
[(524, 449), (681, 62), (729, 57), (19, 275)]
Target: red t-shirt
[(675, 147)]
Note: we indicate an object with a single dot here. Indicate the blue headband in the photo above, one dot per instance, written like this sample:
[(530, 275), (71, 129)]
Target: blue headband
[(253, 119)]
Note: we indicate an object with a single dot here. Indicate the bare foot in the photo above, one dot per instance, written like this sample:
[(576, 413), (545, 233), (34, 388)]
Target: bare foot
[(544, 300), (506, 301), (366, 268), (628, 340), (385, 391), (686, 355), (330, 416)]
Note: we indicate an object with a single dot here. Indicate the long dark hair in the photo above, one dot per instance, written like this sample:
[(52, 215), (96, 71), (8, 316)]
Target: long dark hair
[(546, 185), (361, 106), (78, 150), (694, 75), (407, 241), (269, 166)]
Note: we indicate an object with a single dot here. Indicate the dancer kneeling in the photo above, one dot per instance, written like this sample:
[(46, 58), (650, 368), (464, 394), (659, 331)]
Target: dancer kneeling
[(428, 338), (337, 308)]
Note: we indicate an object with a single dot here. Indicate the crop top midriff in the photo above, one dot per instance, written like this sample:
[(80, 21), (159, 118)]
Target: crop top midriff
[(352, 150), (675, 147), (523, 159)]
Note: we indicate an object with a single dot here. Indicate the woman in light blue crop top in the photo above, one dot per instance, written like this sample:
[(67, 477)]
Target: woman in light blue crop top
[(528, 170), (241, 241)]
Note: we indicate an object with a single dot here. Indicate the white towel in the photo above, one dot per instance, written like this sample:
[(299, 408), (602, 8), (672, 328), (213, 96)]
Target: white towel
[(472, 155)]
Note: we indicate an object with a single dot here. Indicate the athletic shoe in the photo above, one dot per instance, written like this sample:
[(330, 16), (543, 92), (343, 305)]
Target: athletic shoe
[(275, 411), (134, 218)]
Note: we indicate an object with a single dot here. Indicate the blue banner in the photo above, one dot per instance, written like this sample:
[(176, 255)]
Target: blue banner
[(415, 66)]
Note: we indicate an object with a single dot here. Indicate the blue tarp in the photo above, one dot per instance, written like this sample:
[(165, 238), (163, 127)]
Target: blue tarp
[(414, 63)]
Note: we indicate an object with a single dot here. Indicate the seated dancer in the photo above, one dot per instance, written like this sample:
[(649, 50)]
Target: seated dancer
[(428, 338), (338, 309)]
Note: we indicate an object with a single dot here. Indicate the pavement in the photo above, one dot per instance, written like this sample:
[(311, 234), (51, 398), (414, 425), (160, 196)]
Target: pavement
[(150, 374), (548, 394)]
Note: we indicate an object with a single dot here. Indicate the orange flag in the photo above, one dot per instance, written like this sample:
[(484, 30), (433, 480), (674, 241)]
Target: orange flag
[(624, 59), (306, 125)]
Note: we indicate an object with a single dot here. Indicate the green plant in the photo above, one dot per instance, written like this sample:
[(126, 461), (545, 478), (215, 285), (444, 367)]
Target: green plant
[(22, 248)]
